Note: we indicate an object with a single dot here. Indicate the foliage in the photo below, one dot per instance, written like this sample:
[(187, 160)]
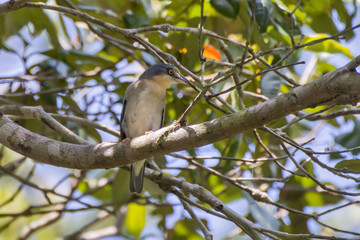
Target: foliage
[(77, 68)]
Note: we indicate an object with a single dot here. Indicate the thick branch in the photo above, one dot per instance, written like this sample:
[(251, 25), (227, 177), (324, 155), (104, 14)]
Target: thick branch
[(340, 86), (39, 114), (12, 5)]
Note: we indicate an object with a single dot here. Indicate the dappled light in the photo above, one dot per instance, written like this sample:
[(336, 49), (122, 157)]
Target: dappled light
[(262, 142)]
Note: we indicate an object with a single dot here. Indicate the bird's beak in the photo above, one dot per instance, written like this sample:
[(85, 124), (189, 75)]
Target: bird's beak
[(181, 79)]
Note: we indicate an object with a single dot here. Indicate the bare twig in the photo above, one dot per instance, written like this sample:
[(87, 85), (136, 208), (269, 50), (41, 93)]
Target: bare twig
[(207, 234)]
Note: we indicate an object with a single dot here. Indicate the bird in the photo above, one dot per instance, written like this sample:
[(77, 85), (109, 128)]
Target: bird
[(143, 111)]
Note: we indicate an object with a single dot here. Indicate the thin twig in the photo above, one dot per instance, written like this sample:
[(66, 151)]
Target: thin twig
[(206, 232)]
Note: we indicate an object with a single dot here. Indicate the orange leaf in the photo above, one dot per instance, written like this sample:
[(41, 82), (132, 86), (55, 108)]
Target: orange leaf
[(211, 52), (183, 50)]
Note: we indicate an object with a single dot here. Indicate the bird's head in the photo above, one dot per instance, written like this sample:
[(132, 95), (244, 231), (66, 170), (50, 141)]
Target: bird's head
[(164, 74)]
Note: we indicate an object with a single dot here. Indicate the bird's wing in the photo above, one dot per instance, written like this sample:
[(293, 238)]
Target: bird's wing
[(122, 133), (162, 118), (163, 114)]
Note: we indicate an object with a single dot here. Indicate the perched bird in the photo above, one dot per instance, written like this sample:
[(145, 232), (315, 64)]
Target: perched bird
[(143, 110)]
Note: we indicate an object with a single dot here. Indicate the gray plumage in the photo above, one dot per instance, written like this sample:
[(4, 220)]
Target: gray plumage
[(143, 110)]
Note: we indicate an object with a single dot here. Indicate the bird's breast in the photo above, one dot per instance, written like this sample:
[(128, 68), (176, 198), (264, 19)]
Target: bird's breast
[(144, 113)]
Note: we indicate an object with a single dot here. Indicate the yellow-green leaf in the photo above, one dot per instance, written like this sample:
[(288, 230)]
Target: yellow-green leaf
[(135, 219), (329, 46), (314, 198)]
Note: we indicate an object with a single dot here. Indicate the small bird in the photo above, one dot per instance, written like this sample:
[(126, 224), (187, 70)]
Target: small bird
[(143, 110)]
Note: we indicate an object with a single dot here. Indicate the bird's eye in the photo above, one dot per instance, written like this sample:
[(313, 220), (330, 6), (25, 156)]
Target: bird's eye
[(171, 72)]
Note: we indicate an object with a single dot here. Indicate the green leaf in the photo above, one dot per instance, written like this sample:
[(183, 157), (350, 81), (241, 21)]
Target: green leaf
[(350, 139), (83, 186), (228, 8), (270, 84), (186, 229), (120, 188), (84, 60), (352, 164), (224, 192), (262, 17), (136, 20), (234, 146), (245, 19), (324, 67), (12, 22), (93, 133), (263, 215), (335, 156), (104, 193), (152, 188), (135, 219), (41, 21), (323, 23), (69, 101), (163, 210), (231, 194), (278, 33), (344, 17)]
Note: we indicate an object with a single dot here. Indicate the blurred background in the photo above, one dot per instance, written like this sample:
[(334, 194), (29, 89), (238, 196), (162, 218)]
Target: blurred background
[(78, 72)]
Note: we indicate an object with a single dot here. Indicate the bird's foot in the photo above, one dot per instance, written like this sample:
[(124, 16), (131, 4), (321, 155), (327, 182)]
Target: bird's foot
[(126, 139), (172, 128), (148, 132), (176, 125)]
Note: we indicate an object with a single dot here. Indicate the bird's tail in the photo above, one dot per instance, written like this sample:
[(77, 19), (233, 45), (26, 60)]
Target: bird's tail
[(137, 176)]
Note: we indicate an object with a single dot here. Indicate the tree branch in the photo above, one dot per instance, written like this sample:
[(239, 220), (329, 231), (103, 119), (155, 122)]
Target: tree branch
[(341, 85), (39, 114), (12, 5), (26, 113)]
